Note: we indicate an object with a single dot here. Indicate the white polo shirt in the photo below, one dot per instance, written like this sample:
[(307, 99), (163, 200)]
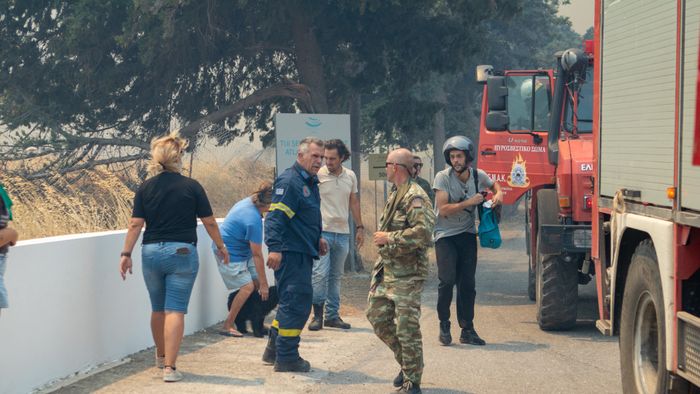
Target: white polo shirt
[(335, 199)]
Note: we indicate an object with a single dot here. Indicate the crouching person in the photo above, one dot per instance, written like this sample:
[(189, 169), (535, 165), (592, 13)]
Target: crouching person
[(242, 232)]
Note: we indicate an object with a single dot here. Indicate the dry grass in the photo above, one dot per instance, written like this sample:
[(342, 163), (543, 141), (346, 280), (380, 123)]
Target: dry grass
[(226, 185), (96, 201), (99, 200)]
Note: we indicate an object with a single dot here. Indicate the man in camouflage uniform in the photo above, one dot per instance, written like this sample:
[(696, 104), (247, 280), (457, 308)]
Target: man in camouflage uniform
[(398, 275)]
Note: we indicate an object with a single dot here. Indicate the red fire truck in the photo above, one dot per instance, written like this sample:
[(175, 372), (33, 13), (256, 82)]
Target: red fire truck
[(539, 145), (646, 208)]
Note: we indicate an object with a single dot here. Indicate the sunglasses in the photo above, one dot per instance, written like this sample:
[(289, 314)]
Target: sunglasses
[(395, 164)]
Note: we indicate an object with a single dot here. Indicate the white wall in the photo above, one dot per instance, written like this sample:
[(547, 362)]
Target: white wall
[(70, 310)]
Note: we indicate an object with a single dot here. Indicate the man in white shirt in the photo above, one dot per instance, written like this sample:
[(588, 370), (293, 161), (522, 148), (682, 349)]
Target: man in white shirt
[(338, 188)]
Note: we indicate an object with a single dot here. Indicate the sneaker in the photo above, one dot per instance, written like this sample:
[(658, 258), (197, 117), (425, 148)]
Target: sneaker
[(445, 335), (298, 365), (470, 337), (171, 374), (410, 387), (337, 323), (398, 380)]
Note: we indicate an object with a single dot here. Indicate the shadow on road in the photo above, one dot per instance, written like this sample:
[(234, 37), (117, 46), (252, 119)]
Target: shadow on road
[(222, 380), (514, 346)]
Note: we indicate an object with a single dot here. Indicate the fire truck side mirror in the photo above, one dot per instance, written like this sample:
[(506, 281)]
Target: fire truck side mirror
[(497, 121), (497, 92), (483, 71)]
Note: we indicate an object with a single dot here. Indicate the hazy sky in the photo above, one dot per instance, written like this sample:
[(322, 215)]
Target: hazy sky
[(580, 12)]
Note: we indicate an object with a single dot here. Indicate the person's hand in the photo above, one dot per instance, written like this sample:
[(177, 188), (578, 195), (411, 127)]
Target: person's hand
[(322, 247), (125, 264), (497, 199), (360, 237), (274, 259), (476, 199), (223, 254), (381, 238), (264, 291)]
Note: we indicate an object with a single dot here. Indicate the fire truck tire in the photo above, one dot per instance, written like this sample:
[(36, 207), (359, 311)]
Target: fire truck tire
[(531, 291), (556, 281), (642, 328), (531, 282)]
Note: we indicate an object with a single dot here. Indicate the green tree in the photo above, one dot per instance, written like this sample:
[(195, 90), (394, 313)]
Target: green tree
[(85, 83)]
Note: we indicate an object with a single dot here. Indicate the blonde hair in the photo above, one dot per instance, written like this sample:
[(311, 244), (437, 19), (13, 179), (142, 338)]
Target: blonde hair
[(166, 154), (262, 196)]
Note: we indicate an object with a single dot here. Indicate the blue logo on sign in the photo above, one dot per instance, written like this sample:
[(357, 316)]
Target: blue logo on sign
[(313, 122)]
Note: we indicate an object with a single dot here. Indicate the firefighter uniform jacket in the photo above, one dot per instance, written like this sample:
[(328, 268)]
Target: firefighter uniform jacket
[(294, 221)]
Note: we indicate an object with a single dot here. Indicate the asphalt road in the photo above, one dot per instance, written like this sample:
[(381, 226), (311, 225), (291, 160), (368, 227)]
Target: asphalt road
[(518, 357)]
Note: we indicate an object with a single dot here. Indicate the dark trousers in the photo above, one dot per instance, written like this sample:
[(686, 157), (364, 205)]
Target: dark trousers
[(456, 261), (294, 289)]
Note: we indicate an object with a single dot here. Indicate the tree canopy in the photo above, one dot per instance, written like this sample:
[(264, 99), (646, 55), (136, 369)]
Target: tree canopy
[(86, 82)]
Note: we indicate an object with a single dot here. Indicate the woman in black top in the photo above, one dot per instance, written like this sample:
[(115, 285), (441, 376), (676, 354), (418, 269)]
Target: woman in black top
[(169, 204)]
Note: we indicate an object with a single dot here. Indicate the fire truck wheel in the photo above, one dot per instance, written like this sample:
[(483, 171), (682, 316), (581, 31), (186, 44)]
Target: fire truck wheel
[(556, 281), (642, 330), (531, 290)]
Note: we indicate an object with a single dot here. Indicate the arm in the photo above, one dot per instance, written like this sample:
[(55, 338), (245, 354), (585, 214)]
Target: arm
[(260, 269), (357, 217), (8, 236), (497, 193), (213, 230), (282, 210), (417, 234), (132, 235), (448, 209)]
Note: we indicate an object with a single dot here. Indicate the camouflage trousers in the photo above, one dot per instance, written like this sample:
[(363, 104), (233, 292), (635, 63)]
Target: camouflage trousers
[(394, 312)]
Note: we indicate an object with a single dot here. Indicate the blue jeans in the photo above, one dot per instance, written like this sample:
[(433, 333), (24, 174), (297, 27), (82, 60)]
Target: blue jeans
[(328, 270), (169, 270), (3, 291)]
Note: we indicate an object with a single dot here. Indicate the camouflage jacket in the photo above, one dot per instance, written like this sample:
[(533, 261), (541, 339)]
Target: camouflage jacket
[(410, 230)]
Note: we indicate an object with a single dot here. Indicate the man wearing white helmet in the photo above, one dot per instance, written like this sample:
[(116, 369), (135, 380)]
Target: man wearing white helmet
[(456, 201)]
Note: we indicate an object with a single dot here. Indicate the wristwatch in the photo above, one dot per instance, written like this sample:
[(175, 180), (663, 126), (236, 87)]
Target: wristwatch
[(359, 227), (125, 254)]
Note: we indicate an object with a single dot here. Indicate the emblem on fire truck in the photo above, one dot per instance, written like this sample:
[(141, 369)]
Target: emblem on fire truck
[(518, 173)]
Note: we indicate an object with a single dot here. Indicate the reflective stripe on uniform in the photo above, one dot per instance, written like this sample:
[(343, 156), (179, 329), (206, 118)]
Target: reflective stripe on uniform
[(289, 332), (280, 206), (286, 332)]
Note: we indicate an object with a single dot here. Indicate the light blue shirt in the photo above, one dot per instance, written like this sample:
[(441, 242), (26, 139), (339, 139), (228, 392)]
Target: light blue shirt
[(242, 225)]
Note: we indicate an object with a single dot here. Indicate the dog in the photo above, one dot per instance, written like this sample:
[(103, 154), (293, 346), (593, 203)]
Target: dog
[(254, 310)]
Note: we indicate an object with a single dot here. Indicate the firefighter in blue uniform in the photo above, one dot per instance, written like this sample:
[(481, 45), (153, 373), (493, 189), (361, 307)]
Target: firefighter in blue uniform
[(293, 239)]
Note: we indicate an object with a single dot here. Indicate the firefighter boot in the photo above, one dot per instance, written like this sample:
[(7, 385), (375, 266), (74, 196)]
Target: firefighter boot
[(270, 353), (317, 322), (298, 365), (445, 335)]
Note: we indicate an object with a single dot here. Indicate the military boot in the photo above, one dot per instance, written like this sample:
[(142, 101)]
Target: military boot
[(445, 335), (317, 322), (410, 387), (270, 353), (398, 380), (470, 337), (298, 365)]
